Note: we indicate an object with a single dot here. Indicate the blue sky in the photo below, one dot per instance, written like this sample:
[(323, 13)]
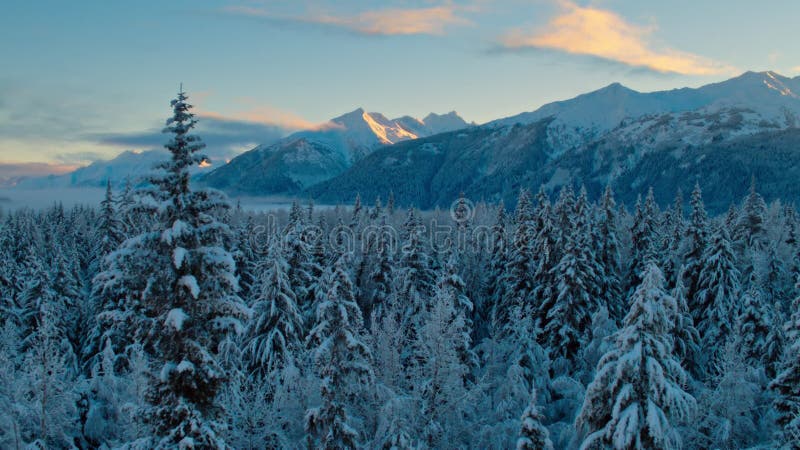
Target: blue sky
[(88, 79)]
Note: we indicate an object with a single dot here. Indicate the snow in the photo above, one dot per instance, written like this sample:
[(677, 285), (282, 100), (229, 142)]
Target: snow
[(190, 283), (178, 257), (175, 319), (185, 366)]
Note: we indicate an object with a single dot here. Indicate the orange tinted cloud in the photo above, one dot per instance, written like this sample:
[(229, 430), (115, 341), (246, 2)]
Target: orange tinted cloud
[(264, 116), (601, 33), (432, 21)]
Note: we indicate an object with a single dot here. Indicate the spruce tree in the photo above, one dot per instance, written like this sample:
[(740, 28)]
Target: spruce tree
[(696, 241), (637, 394), (608, 257), (274, 334), (533, 435), (176, 290), (715, 305), (568, 322), (517, 278), (342, 361), (786, 385)]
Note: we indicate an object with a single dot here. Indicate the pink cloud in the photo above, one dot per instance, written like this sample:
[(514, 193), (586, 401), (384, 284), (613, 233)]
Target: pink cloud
[(605, 34), (428, 21)]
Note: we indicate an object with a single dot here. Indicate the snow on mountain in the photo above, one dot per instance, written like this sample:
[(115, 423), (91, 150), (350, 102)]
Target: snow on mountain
[(132, 165), (718, 135), (312, 156), (771, 99)]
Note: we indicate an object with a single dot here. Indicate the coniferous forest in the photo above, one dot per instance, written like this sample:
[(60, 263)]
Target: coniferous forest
[(166, 317)]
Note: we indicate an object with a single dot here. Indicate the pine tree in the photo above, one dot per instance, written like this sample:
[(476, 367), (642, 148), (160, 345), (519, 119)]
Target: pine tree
[(644, 238), (687, 339), (759, 339), (110, 235), (273, 336), (786, 384), (568, 322), (498, 259), (440, 374), (517, 282), (176, 287), (750, 229), (301, 264), (696, 241), (342, 360), (715, 304), (731, 411), (545, 249), (382, 273), (637, 393), (671, 257), (607, 256), (533, 435)]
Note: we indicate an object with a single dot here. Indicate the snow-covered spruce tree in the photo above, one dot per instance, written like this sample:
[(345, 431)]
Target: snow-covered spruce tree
[(533, 435), (439, 377), (450, 284), (608, 257), (274, 334), (637, 394), (301, 262), (732, 414), (716, 303), (786, 384), (758, 332), (750, 231), (40, 389), (109, 235), (644, 238), (671, 241), (342, 361), (176, 290), (517, 283), (545, 249), (493, 290), (568, 322), (415, 282), (687, 339), (696, 241), (381, 273)]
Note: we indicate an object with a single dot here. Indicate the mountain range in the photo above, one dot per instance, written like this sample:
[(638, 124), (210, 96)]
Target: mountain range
[(718, 135), (309, 157)]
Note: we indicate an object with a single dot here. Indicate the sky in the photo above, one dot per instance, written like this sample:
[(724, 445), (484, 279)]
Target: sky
[(86, 80)]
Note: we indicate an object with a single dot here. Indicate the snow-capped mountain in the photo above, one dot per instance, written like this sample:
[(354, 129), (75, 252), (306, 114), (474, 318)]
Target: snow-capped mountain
[(313, 156), (127, 166), (769, 99), (718, 135)]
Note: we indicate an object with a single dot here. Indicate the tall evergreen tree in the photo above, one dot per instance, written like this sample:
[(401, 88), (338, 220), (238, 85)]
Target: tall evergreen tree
[(715, 305), (637, 394), (608, 256), (786, 385), (273, 336), (533, 435), (176, 287), (517, 278), (696, 241), (342, 361)]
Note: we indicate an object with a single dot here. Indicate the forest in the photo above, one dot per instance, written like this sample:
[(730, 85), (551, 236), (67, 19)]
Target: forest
[(168, 317)]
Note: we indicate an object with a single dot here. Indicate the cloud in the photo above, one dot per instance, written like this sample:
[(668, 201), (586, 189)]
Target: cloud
[(385, 22), (224, 136), (604, 34), (12, 173)]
